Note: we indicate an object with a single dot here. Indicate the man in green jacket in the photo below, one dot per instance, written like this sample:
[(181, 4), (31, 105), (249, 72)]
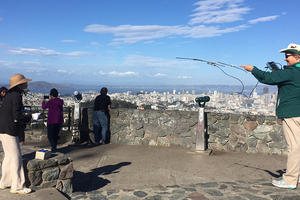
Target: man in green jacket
[(287, 109)]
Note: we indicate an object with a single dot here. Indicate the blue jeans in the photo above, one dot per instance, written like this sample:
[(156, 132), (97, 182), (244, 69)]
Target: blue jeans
[(99, 119)]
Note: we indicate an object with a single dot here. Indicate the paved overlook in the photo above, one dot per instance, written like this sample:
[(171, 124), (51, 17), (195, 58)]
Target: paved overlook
[(129, 172)]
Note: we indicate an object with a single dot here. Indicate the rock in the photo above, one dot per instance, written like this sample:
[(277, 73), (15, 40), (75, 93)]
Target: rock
[(238, 130), (35, 178), (65, 186), (66, 172), (140, 194), (250, 125), (50, 174)]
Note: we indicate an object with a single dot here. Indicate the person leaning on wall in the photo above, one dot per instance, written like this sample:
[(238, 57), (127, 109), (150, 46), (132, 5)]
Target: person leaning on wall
[(55, 117), (102, 106), (11, 117), (287, 109)]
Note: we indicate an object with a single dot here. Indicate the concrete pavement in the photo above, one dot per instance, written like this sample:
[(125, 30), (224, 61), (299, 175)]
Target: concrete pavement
[(142, 172)]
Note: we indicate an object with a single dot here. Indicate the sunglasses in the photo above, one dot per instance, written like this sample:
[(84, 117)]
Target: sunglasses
[(287, 55)]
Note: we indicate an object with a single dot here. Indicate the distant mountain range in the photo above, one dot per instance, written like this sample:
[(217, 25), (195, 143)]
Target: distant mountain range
[(45, 87)]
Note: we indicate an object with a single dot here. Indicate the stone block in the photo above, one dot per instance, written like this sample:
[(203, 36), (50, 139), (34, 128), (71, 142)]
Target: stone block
[(41, 164), (50, 174), (212, 128), (241, 147), (139, 133), (275, 137), (163, 141), (262, 148), (48, 184), (137, 125), (250, 125), (66, 172), (223, 124), (35, 178), (234, 118), (65, 186), (33, 165), (162, 133), (238, 130), (252, 142), (260, 119), (152, 143), (251, 117), (48, 163)]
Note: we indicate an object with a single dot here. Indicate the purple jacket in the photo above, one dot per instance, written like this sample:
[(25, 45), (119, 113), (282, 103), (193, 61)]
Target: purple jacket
[(55, 112)]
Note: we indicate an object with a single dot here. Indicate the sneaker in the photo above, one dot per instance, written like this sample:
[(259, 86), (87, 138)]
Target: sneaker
[(282, 184), (21, 191), (4, 187)]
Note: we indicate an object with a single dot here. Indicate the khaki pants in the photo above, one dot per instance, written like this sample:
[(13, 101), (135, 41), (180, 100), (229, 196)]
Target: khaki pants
[(291, 130), (12, 165)]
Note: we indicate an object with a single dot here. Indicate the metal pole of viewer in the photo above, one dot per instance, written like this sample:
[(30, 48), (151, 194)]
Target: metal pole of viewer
[(201, 130)]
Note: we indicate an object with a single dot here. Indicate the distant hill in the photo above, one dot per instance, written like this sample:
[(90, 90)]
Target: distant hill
[(45, 87)]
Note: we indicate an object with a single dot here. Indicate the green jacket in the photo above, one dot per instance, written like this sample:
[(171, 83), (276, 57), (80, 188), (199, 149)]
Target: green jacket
[(288, 82)]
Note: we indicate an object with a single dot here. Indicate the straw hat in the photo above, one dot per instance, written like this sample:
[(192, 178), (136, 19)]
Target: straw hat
[(17, 79)]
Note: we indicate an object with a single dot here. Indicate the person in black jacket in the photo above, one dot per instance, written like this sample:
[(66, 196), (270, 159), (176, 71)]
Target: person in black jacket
[(102, 106), (11, 118), (3, 91)]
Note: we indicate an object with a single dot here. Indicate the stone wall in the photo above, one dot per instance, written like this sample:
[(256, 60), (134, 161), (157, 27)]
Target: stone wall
[(55, 172), (226, 132)]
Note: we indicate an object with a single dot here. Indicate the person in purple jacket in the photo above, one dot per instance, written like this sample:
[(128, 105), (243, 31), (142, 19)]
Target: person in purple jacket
[(55, 117)]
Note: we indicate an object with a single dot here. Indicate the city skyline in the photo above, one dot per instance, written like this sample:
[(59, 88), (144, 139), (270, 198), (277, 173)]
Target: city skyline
[(136, 42)]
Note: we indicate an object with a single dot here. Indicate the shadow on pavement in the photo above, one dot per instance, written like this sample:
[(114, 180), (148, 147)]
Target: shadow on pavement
[(86, 182), (279, 172)]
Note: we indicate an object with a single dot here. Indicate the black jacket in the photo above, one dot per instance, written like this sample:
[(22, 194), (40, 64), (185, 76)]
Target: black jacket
[(11, 116), (101, 103)]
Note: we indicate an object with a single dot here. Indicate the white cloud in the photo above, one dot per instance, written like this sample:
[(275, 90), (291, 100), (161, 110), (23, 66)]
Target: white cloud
[(159, 75), (33, 51), (1, 19), (184, 77), (120, 74), (4, 63), (94, 43), (206, 12), (263, 19), (133, 34), (68, 41), (212, 31), (24, 66), (218, 11), (62, 71), (77, 53), (44, 52)]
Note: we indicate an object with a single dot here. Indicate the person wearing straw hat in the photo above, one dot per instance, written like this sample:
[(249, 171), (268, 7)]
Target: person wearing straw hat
[(11, 118), (287, 109), (3, 91)]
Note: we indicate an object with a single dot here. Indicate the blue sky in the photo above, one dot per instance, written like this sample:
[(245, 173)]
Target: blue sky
[(136, 42)]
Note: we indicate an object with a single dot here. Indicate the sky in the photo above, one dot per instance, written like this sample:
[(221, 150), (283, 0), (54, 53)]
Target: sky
[(136, 42)]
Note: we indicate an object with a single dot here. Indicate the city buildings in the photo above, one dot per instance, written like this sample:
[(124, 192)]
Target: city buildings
[(219, 102)]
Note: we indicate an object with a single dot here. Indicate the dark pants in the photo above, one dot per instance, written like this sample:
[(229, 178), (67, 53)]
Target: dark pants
[(53, 131)]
